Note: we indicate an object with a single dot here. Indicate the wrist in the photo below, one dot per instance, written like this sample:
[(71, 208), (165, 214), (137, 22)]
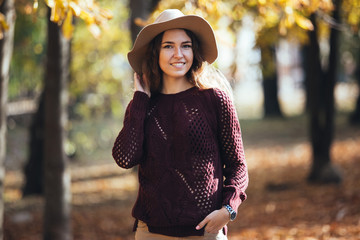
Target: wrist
[(232, 212)]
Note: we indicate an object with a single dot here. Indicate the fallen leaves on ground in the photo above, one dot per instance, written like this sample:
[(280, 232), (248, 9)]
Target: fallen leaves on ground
[(281, 205)]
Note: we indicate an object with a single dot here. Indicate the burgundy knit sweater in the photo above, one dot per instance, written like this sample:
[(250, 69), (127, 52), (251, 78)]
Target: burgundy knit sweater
[(190, 154)]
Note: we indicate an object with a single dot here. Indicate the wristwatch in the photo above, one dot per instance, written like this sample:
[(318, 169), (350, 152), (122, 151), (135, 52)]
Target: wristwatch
[(231, 211)]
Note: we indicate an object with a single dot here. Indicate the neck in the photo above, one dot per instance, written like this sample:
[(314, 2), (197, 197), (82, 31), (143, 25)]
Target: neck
[(171, 86)]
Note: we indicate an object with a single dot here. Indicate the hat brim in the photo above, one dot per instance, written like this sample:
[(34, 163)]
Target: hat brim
[(199, 26)]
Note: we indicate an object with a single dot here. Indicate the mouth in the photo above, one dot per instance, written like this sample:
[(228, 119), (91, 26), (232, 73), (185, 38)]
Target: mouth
[(177, 64)]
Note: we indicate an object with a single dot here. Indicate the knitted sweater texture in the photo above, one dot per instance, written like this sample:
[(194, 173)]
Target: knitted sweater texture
[(190, 154)]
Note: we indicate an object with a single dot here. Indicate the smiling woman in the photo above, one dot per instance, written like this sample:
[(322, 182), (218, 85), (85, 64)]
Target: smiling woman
[(184, 136), (175, 60)]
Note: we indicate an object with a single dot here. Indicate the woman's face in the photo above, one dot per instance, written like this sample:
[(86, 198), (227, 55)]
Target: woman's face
[(176, 54)]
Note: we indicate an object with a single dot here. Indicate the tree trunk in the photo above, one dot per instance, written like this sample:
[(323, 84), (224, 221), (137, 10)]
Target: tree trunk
[(355, 116), (305, 52), (34, 171), (271, 102), (6, 48), (321, 107), (57, 225), (270, 82), (140, 9)]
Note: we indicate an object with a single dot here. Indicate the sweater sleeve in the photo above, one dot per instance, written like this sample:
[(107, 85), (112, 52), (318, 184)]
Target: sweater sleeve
[(128, 147), (232, 152)]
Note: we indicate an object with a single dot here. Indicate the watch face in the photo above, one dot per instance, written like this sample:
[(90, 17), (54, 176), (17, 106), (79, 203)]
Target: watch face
[(233, 215)]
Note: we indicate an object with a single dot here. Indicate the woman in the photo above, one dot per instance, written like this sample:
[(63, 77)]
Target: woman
[(184, 136)]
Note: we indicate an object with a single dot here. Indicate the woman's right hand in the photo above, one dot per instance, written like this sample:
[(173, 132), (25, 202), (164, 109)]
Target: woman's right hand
[(141, 84)]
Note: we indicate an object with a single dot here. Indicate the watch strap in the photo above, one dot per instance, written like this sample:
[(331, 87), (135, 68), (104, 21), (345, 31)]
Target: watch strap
[(231, 212)]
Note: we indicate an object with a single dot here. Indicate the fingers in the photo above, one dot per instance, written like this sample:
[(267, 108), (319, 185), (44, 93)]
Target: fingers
[(214, 221), (137, 83), (202, 223), (213, 227), (141, 84), (210, 225)]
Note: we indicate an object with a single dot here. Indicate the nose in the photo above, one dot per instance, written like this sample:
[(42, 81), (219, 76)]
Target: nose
[(178, 53)]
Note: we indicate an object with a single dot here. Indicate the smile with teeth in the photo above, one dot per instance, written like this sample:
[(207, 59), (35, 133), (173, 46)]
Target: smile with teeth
[(178, 64)]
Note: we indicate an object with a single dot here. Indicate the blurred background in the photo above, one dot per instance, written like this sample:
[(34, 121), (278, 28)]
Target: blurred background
[(295, 71)]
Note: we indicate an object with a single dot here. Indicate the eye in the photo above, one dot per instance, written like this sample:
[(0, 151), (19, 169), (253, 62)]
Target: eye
[(187, 46), (167, 46)]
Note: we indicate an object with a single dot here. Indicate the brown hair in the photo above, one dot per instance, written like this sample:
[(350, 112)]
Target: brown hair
[(152, 68)]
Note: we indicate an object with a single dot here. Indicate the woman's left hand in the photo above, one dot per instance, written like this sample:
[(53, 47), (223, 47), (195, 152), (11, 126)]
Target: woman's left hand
[(215, 221)]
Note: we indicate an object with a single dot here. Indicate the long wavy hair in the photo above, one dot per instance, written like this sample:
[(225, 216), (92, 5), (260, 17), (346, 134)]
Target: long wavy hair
[(200, 74)]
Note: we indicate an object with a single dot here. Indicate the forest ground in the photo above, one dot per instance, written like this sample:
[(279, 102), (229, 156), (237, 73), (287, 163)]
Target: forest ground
[(280, 205)]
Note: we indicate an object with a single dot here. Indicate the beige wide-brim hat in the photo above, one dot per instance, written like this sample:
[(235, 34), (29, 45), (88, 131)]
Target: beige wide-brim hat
[(172, 19)]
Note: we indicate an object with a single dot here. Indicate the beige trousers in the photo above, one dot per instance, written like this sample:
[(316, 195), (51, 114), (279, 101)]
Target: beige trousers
[(142, 233)]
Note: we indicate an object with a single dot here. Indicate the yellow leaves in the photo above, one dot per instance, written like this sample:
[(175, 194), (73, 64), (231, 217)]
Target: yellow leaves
[(141, 22), (67, 27), (271, 16), (303, 22), (286, 18), (292, 19), (238, 12), (35, 6), (94, 30), (63, 11), (57, 11), (3, 25), (211, 10), (313, 5), (282, 27), (262, 2), (280, 17), (326, 5), (351, 12), (354, 18), (75, 8), (289, 17)]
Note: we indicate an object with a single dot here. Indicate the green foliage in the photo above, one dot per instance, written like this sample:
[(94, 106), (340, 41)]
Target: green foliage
[(27, 67), (92, 139), (100, 74)]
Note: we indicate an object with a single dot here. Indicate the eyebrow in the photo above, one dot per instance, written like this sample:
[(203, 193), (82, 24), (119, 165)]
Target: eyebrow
[(170, 42)]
